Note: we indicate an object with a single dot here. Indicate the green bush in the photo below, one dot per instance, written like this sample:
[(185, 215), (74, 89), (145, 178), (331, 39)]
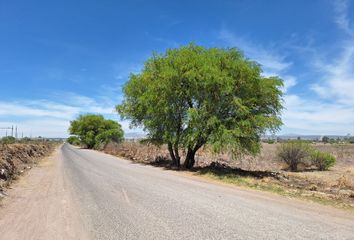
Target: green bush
[(90, 128), (8, 140), (112, 135), (270, 141), (322, 160), (293, 153), (73, 140)]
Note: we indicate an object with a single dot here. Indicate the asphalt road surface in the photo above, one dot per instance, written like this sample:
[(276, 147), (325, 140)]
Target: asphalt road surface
[(84, 194)]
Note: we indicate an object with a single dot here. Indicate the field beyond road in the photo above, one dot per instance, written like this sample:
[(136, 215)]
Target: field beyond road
[(85, 194)]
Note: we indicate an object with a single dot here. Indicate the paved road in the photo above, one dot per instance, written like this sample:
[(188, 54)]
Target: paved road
[(102, 197)]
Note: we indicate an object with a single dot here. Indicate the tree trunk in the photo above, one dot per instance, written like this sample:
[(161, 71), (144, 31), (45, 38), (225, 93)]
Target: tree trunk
[(173, 157), (177, 157), (190, 159)]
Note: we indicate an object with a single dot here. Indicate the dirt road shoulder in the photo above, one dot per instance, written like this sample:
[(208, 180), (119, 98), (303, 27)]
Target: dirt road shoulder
[(40, 206)]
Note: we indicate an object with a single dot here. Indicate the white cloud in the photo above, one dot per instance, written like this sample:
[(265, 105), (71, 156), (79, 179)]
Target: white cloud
[(273, 64), (337, 80), (270, 60), (52, 118), (289, 82), (334, 113), (36, 109), (341, 17), (315, 117), (338, 76)]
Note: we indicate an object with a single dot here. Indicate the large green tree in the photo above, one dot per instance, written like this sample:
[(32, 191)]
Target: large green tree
[(192, 96), (93, 130)]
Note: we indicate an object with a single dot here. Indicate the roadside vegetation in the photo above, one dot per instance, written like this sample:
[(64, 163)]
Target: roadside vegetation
[(195, 96), (295, 153), (93, 131), (73, 140)]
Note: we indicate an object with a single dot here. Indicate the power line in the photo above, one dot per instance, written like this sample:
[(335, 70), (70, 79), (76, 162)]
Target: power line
[(13, 129)]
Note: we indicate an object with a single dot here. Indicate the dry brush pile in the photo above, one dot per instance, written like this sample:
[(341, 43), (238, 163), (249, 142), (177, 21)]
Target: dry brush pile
[(15, 158)]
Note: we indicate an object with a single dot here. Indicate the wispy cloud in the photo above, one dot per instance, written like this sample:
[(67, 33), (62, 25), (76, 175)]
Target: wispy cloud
[(333, 111), (38, 108), (330, 110), (289, 82), (338, 75), (341, 17), (316, 117), (270, 60), (52, 118)]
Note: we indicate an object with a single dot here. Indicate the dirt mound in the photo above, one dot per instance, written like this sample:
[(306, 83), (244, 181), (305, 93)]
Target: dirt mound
[(15, 158)]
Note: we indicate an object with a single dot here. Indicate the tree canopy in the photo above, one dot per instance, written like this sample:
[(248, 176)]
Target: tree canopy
[(191, 96), (94, 130), (74, 140)]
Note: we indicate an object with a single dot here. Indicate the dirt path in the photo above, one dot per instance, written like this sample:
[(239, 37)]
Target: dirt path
[(40, 205)]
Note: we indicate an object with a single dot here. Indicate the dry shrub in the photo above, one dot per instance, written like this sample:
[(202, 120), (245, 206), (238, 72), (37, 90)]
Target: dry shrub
[(345, 181), (293, 153)]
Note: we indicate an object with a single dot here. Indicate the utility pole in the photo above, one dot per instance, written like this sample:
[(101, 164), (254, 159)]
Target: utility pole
[(7, 128), (12, 131), (16, 132)]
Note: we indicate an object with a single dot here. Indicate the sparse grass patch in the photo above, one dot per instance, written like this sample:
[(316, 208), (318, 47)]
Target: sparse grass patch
[(245, 181), (274, 187)]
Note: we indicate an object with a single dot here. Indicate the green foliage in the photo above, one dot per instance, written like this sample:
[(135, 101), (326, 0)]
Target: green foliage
[(112, 135), (26, 139), (322, 160), (8, 140), (325, 139), (193, 95), (94, 129), (74, 140), (293, 153)]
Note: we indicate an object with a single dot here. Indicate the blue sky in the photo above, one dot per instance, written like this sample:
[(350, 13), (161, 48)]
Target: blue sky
[(62, 58)]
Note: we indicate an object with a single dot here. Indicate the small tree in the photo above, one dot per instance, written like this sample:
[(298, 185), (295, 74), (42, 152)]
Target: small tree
[(112, 135), (325, 139), (74, 140), (91, 129), (192, 96), (293, 153), (322, 160)]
